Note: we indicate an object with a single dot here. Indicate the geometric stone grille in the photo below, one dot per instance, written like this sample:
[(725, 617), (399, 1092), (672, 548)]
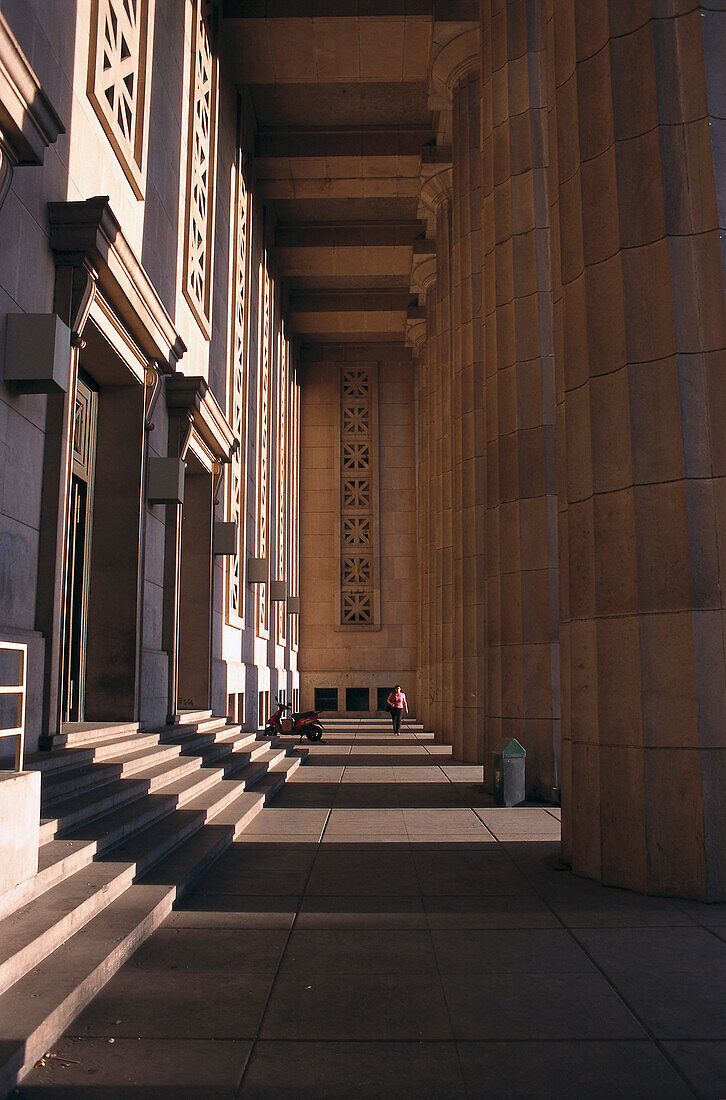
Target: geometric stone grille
[(200, 176), (237, 400), (262, 605), (117, 79), (282, 485), (357, 447)]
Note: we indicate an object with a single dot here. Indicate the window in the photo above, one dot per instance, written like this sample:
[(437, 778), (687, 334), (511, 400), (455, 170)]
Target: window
[(383, 694), (263, 708), (326, 698), (357, 698)]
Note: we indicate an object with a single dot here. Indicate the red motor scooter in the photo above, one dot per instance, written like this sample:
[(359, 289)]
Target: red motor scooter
[(306, 724)]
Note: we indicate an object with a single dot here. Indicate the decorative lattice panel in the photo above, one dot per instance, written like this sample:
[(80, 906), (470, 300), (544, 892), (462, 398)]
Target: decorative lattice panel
[(282, 482), (294, 437), (237, 397), (262, 605), (358, 497), (117, 79), (201, 154)]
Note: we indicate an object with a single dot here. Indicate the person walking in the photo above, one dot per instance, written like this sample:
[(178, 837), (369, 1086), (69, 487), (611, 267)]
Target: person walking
[(397, 703)]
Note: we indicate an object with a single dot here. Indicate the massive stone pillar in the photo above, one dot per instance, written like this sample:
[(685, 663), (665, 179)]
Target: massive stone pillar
[(421, 335), (435, 198), (455, 76), (523, 615), (643, 331)]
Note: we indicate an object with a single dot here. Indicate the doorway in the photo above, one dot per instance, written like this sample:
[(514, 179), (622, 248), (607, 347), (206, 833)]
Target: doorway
[(195, 592), (75, 618)]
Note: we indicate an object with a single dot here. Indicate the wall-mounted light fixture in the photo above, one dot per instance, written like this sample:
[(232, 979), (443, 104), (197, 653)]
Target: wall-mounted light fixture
[(257, 570), (166, 481), (224, 539), (278, 591), (37, 353)]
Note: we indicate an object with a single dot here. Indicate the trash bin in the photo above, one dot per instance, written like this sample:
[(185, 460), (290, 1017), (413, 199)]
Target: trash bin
[(508, 773)]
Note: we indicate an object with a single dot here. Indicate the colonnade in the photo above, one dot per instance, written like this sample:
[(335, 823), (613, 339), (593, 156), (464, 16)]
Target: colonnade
[(571, 380)]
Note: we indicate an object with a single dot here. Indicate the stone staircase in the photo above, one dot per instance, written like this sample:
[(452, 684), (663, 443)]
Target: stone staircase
[(129, 820)]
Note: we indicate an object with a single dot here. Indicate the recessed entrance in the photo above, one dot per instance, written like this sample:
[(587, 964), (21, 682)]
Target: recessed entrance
[(195, 595), (75, 618)]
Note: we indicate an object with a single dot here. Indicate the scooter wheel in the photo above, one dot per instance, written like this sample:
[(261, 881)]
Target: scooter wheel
[(314, 733)]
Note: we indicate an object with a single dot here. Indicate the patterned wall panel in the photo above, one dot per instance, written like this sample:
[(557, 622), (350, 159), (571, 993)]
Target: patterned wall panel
[(262, 544), (281, 570), (237, 394), (118, 88), (294, 482), (201, 167), (358, 465)]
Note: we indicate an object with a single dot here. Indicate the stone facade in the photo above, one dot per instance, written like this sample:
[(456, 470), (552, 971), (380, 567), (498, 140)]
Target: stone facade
[(162, 285), (504, 219)]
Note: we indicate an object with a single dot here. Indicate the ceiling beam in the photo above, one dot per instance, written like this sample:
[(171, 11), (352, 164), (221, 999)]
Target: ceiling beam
[(348, 234), (368, 141)]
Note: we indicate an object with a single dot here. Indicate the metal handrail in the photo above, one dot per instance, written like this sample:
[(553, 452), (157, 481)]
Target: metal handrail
[(20, 689)]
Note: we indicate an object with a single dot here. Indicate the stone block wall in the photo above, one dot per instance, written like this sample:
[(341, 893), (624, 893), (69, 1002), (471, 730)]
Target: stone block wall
[(334, 654)]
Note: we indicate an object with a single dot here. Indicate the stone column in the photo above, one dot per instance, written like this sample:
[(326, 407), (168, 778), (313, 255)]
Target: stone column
[(435, 200), (421, 336), (643, 332), (523, 614), (455, 76)]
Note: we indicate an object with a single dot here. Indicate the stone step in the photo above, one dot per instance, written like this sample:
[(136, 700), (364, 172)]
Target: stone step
[(92, 733), (41, 1003), (60, 759), (186, 717), (68, 782), (172, 787), (39, 1007)]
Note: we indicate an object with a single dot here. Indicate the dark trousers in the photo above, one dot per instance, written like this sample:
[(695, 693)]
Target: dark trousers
[(396, 714)]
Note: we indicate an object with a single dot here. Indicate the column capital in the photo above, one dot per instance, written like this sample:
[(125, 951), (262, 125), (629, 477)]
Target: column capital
[(423, 275), (456, 60), (416, 333), (436, 186)]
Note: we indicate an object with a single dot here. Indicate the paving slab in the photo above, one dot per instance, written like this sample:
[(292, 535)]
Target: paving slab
[(703, 1065), (187, 983), (370, 911), (674, 978), (186, 1069), (350, 985), (366, 1070), (569, 1071), (383, 930)]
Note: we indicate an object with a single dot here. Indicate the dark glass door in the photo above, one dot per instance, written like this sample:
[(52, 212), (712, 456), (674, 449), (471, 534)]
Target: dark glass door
[(79, 552)]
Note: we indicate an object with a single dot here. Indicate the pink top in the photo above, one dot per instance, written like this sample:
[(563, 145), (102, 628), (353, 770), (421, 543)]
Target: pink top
[(398, 699)]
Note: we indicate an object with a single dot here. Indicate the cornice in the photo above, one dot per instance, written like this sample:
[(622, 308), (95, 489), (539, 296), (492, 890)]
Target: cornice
[(190, 395), (28, 121), (87, 234)]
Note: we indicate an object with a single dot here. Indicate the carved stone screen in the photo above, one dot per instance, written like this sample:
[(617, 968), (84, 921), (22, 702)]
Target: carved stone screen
[(262, 547), (117, 80), (201, 157), (237, 395), (358, 466), (281, 548)]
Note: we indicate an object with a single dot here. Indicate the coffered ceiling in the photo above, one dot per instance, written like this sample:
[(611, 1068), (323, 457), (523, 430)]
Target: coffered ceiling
[(340, 93)]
